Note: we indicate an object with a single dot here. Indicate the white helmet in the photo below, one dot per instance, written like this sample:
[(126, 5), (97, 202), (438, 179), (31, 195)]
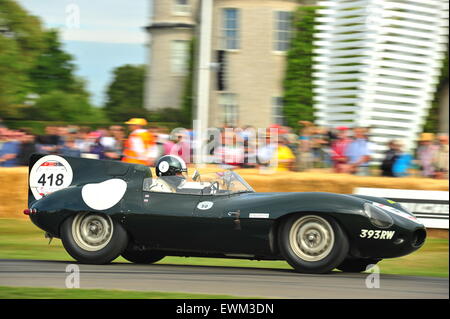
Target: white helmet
[(170, 165)]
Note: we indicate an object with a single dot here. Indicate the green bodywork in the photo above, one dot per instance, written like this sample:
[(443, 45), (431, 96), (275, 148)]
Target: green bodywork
[(242, 225)]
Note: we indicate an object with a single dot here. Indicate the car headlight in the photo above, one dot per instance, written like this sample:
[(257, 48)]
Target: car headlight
[(377, 216)]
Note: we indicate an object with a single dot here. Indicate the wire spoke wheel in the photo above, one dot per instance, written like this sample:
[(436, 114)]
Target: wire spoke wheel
[(92, 232), (93, 238), (311, 238), (312, 243)]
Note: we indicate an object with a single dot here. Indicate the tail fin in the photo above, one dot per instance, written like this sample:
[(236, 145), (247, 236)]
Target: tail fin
[(49, 173)]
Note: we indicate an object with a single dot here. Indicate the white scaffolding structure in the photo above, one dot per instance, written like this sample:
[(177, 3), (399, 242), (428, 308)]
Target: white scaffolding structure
[(377, 64)]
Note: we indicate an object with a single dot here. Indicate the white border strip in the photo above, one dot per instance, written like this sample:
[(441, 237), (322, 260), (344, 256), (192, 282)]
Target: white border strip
[(422, 195), (402, 193)]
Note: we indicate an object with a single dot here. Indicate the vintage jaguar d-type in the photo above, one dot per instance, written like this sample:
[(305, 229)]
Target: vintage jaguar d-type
[(104, 209)]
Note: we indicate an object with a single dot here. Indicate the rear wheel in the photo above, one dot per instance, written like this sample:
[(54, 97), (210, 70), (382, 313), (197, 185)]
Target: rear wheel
[(313, 244), (142, 256), (357, 264), (93, 238)]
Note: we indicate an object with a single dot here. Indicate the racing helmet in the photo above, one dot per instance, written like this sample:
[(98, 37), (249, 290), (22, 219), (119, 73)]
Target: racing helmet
[(170, 165)]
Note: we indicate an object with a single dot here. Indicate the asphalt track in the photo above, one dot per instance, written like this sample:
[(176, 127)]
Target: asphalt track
[(246, 282)]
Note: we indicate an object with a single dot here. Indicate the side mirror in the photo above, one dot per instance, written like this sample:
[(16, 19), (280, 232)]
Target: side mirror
[(196, 176)]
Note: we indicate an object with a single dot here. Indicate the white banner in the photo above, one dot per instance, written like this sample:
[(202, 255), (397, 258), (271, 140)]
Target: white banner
[(430, 207)]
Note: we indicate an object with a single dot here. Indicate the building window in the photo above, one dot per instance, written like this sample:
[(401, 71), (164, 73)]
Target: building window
[(282, 30), (179, 56), (277, 110), (230, 29), (181, 7), (229, 108)]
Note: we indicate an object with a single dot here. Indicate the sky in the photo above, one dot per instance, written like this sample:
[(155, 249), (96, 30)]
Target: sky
[(100, 35)]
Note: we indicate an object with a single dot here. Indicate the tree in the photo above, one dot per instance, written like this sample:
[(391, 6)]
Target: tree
[(25, 29), (53, 68), (125, 94), (61, 94), (298, 86), (187, 103), (33, 63), (63, 106), (13, 80), (21, 40)]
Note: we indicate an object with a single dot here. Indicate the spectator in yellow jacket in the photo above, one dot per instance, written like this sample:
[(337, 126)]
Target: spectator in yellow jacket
[(284, 156), (137, 148)]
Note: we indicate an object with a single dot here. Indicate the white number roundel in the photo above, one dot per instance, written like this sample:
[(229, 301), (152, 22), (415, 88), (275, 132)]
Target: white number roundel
[(49, 174), (163, 167)]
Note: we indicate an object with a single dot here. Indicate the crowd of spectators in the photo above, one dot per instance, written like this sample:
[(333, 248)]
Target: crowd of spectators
[(341, 150)]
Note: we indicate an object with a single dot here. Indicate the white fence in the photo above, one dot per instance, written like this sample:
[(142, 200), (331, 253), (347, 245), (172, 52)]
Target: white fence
[(430, 207), (377, 64)]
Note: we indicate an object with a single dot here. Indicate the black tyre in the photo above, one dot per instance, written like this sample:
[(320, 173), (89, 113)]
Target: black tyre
[(142, 256), (92, 238), (312, 243), (357, 264)]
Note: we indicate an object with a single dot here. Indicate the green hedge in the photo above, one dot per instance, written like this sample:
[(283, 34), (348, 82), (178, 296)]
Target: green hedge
[(38, 127), (298, 81)]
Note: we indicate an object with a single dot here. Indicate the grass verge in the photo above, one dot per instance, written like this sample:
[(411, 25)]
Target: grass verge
[(20, 239), (56, 293)]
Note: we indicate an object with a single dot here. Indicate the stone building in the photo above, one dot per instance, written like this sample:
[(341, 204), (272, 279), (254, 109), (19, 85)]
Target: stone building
[(252, 37)]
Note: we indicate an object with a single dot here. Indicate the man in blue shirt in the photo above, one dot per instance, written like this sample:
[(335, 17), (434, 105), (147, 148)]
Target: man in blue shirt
[(9, 149), (358, 153)]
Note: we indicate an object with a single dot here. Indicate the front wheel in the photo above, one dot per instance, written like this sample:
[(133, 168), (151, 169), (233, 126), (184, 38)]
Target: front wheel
[(357, 264), (312, 243), (92, 238)]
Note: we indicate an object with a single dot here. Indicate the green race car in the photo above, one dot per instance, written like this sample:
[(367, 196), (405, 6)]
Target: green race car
[(103, 209)]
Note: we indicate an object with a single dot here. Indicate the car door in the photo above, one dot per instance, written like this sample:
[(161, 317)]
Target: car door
[(221, 226), (163, 220)]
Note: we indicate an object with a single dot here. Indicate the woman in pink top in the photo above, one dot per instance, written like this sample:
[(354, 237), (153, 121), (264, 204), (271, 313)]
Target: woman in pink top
[(338, 150)]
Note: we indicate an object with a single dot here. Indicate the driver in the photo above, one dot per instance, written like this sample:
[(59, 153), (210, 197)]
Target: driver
[(170, 169)]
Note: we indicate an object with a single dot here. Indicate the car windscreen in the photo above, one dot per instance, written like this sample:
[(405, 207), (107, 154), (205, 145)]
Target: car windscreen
[(226, 182), (218, 183)]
